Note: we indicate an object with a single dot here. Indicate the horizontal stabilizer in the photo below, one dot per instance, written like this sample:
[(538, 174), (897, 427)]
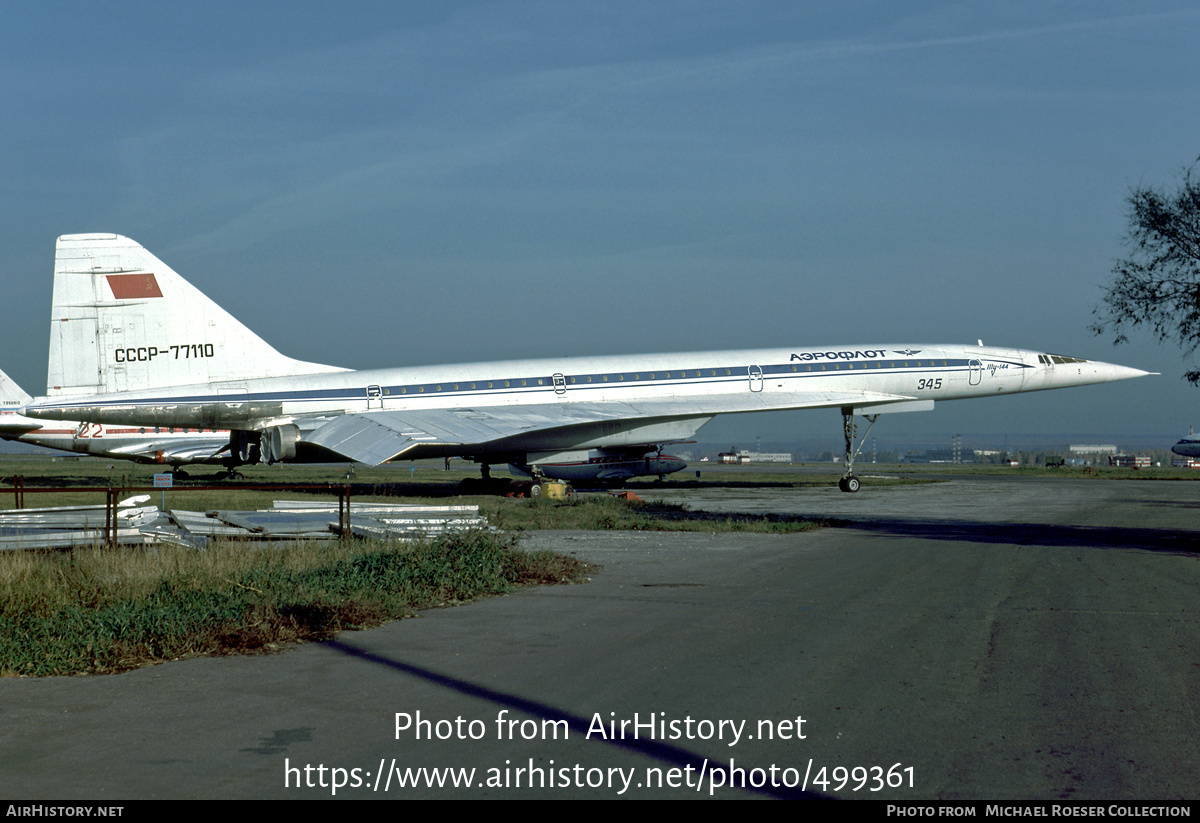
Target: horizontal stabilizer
[(14, 425)]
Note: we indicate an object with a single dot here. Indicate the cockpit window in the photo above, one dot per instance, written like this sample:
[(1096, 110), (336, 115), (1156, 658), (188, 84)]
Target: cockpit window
[(1048, 359)]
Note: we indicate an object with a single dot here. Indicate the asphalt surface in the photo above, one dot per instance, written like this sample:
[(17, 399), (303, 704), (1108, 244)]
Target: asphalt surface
[(982, 638)]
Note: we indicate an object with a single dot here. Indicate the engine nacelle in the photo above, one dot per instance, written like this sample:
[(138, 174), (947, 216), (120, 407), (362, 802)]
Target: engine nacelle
[(278, 443)]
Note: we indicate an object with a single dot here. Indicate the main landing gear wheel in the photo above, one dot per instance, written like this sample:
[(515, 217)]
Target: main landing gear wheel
[(849, 484)]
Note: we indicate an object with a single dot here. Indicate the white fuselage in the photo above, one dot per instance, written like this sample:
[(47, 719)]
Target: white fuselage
[(682, 390)]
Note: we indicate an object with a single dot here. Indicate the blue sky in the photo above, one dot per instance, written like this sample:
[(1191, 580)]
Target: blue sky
[(402, 183)]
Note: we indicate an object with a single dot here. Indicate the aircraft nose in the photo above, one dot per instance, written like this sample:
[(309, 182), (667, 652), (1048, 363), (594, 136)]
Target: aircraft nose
[(1094, 371), (1187, 447), (1111, 371), (1058, 372)]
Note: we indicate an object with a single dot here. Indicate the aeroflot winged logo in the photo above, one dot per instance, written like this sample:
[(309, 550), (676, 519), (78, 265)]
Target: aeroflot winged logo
[(851, 355), (838, 355), (133, 286)]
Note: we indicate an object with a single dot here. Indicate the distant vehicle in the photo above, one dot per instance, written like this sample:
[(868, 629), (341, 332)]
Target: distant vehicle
[(133, 343), (1054, 461), (168, 446), (602, 465)]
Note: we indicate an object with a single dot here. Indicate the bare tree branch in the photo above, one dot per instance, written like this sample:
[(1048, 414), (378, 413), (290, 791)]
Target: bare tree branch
[(1157, 286)]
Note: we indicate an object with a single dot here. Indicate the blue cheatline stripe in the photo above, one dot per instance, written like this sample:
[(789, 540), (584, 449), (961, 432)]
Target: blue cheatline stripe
[(540, 385)]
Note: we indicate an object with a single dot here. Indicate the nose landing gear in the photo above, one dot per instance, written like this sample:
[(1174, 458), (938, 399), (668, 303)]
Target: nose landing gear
[(850, 483)]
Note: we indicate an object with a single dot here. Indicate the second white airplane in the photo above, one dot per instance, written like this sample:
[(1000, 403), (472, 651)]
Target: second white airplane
[(132, 342), (605, 466), (141, 444)]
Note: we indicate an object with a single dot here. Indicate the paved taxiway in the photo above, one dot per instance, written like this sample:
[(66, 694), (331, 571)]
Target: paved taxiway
[(1003, 637)]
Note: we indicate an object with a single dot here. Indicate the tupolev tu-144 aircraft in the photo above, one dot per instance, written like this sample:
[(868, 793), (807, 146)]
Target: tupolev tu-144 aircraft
[(132, 342)]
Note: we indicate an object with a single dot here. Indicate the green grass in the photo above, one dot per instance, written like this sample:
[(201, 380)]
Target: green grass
[(96, 611)]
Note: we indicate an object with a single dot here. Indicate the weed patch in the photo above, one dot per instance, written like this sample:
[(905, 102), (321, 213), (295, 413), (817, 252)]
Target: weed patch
[(97, 611)]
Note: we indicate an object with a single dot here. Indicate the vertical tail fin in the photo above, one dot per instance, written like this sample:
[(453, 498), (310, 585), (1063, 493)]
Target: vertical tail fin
[(123, 320), (11, 395)]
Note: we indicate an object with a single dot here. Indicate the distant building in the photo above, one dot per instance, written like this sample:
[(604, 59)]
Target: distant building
[(745, 456), (1092, 449), (1129, 461)]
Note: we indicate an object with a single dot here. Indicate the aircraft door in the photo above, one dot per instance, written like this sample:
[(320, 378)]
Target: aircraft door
[(976, 372), (560, 383), (374, 397), (756, 378)]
